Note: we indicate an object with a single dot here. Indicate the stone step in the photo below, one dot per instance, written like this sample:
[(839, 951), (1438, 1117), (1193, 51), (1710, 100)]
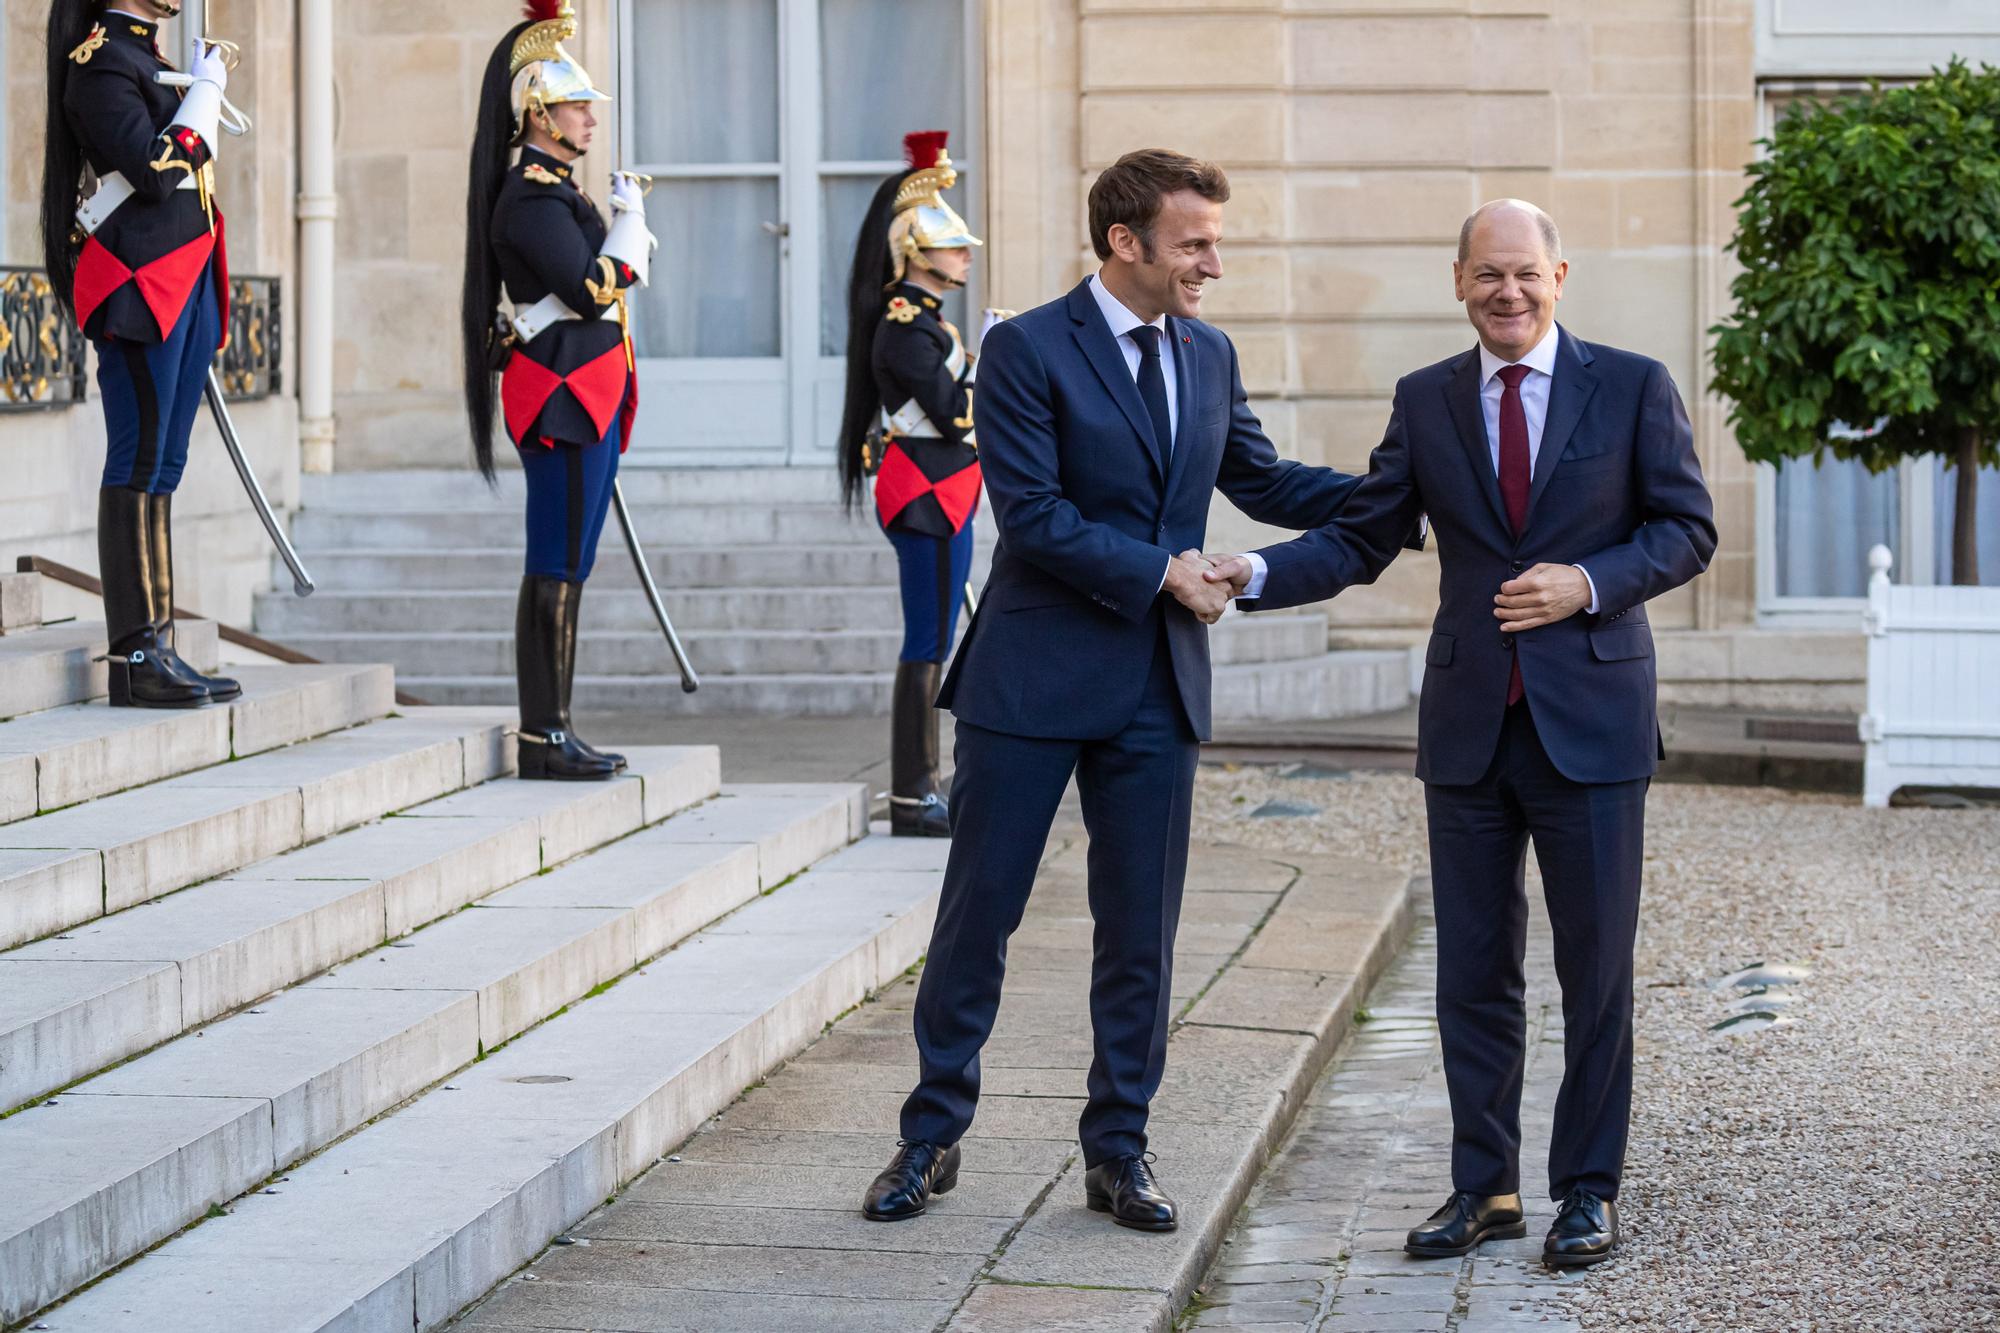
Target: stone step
[(106, 991), (743, 652), (61, 869), (855, 694), (798, 610), (498, 568), (78, 752), (461, 489), (52, 666), (1340, 684), (406, 1222), (20, 602), (200, 1121), (661, 525)]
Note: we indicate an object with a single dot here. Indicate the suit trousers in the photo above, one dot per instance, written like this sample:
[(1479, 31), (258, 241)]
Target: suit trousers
[(1136, 788), (1588, 840)]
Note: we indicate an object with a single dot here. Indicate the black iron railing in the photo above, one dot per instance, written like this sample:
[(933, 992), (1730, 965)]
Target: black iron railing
[(253, 359), (41, 350)]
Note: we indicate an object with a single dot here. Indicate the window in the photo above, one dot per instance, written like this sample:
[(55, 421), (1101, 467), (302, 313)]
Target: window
[(767, 125)]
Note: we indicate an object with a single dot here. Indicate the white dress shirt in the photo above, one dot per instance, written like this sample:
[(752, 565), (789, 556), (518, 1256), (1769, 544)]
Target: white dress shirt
[(1122, 322), (1541, 364)]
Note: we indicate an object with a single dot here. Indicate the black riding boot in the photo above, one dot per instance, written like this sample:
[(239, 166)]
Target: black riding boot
[(916, 808), (138, 676), (160, 541), (547, 750), (573, 604)]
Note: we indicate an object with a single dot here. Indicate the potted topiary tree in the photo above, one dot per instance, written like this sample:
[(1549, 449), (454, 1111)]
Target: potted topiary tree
[(1867, 318)]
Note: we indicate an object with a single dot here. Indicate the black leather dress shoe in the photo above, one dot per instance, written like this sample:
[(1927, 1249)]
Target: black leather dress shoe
[(904, 1189), (1585, 1232), (1464, 1221), (1124, 1187)]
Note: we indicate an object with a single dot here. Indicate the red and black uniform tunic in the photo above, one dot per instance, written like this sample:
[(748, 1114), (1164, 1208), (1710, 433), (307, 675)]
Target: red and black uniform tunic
[(138, 272), (568, 391), (152, 283), (927, 483), (568, 384), (928, 479)]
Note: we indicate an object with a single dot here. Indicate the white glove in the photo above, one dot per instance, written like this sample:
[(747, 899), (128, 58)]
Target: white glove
[(209, 68), (626, 195)]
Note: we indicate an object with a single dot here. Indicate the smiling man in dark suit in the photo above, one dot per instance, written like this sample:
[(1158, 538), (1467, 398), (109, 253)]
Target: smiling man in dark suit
[(1107, 420), (1560, 478)]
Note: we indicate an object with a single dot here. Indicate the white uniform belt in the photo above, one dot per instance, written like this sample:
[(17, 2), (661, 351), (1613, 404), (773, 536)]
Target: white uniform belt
[(910, 419), (112, 191), (551, 309), (909, 422)]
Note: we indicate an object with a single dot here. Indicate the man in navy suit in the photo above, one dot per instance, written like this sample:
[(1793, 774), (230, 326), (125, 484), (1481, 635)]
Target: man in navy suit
[(1560, 478), (1106, 421)]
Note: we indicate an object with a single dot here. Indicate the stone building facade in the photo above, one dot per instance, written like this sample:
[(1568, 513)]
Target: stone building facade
[(1357, 134)]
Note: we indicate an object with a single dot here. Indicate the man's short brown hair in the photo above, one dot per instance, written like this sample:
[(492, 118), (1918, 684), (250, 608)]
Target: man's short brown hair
[(1132, 189)]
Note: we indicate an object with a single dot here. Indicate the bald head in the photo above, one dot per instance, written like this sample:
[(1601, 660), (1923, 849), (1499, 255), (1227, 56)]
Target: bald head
[(1510, 275), (1513, 215)]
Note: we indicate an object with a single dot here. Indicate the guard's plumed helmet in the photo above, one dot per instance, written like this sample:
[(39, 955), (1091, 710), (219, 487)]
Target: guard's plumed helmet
[(924, 221), (545, 73)]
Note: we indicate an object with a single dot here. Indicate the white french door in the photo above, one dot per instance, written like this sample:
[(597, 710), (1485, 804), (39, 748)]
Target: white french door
[(767, 125)]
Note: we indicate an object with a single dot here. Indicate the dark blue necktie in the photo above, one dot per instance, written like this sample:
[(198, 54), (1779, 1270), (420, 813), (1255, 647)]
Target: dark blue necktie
[(1153, 387)]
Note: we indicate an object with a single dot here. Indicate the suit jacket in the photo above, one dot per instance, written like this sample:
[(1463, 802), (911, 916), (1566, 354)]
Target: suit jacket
[(1616, 489), (1089, 507)]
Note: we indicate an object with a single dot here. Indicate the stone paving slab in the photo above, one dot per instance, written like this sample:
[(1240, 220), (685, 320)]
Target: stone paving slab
[(1318, 1247), (774, 1183)]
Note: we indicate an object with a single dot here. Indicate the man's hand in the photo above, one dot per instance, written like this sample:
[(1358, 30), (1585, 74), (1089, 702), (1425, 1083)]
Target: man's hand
[(1542, 596), (1233, 570), (1185, 582)]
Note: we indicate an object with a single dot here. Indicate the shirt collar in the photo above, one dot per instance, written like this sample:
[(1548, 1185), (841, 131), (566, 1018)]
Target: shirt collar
[(1541, 357), (1117, 314)]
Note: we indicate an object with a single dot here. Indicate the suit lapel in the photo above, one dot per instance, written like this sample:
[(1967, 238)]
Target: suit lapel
[(1569, 393), (1187, 393), (1462, 398), (1093, 335)]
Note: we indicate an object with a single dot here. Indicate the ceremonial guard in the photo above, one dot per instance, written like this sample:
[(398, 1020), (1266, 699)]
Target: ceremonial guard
[(137, 253), (563, 355), (908, 423)]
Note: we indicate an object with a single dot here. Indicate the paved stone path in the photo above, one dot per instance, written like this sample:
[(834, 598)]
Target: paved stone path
[(1320, 1244), (754, 1223)]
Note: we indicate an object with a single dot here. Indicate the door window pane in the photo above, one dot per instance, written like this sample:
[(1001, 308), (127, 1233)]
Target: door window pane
[(715, 276), (1986, 509), (1828, 518), (889, 67), (706, 85)]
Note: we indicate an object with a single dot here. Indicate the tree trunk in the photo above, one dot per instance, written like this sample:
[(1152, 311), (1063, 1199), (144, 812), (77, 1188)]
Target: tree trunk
[(1965, 513)]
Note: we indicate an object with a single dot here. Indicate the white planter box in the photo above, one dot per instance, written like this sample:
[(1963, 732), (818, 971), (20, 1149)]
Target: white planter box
[(1933, 714)]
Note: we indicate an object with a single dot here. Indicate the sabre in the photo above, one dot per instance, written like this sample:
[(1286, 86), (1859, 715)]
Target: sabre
[(302, 583), (689, 681)]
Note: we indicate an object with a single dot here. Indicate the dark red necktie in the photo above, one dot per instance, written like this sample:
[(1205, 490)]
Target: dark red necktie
[(1514, 477)]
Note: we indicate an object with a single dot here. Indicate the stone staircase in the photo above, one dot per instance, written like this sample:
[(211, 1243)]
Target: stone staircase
[(311, 1018), (786, 605)]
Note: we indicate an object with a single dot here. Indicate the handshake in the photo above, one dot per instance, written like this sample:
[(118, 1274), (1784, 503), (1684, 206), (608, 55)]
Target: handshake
[(1204, 584)]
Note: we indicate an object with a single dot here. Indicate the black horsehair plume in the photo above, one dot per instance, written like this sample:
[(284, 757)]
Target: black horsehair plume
[(479, 301), (70, 22)]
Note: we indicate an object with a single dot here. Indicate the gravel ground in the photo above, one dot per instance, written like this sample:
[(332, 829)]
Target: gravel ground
[(1840, 1171)]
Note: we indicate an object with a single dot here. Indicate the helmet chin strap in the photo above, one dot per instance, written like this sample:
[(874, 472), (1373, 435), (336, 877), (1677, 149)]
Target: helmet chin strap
[(539, 113), (166, 9), (918, 259)]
